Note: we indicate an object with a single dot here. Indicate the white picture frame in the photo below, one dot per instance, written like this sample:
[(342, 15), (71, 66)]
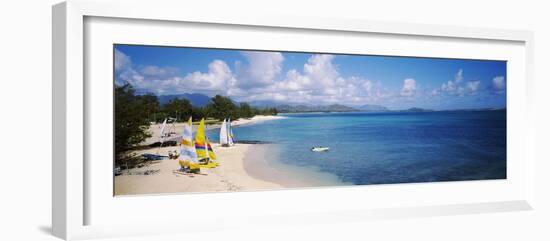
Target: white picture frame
[(72, 192)]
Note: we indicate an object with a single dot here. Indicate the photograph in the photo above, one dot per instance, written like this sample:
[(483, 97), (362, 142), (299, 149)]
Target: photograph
[(202, 120)]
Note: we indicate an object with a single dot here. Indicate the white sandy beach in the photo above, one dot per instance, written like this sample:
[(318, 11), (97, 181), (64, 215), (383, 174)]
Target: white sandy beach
[(231, 175), (255, 119)]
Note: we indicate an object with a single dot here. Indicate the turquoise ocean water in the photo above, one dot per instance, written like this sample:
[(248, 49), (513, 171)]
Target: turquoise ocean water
[(383, 148)]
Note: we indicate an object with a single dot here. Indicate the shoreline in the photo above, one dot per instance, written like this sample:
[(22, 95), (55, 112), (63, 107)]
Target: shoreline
[(255, 119), (259, 166)]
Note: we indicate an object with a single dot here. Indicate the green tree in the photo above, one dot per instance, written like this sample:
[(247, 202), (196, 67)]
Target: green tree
[(222, 107), (245, 110), (198, 113), (160, 116), (150, 106), (131, 121), (180, 109)]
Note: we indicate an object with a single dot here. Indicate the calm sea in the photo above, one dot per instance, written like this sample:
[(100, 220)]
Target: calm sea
[(380, 148)]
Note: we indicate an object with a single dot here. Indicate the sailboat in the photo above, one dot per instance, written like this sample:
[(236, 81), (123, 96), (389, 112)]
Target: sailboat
[(224, 141), (188, 154), (162, 129), (205, 153), (226, 134), (162, 135), (320, 149), (231, 137)]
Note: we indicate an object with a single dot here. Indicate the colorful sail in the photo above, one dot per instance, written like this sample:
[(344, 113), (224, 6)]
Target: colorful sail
[(187, 147), (202, 145), (223, 134), (211, 153)]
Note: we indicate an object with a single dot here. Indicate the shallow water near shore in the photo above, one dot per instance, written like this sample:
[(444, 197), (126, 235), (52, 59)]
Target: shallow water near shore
[(262, 162), (379, 148)]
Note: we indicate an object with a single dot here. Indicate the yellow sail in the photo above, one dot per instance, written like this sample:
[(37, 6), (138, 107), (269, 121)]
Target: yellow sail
[(202, 145), (211, 153)]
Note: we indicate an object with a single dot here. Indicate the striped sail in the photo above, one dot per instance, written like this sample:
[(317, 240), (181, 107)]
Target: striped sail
[(211, 153), (187, 148), (202, 145)]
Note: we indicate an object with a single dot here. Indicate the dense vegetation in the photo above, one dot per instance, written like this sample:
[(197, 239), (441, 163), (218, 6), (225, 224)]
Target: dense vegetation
[(134, 113), (131, 119)]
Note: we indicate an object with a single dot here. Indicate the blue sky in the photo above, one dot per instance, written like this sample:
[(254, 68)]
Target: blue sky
[(309, 78)]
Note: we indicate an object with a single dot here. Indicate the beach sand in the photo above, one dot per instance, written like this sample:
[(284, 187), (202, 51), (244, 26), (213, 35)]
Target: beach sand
[(229, 176), (233, 174)]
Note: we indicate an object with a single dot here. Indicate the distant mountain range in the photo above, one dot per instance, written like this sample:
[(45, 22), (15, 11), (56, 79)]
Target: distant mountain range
[(373, 108), (416, 109), (314, 108), (296, 107), (195, 99), (203, 100)]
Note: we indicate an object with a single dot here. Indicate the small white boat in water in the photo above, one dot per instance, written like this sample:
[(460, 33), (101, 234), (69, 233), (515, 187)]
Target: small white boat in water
[(319, 149)]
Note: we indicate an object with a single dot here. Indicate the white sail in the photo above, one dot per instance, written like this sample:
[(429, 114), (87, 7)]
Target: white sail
[(223, 134), (230, 138), (187, 147), (162, 129)]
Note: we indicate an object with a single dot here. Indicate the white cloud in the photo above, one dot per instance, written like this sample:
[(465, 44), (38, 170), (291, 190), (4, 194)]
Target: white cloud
[(294, 81), (122, 61), (320, 68), (261, 69), (409, 87), (456, 87), (158, 72), (458, 76), (450, 86), (124, 73), (164, 80), (460, 91), (367, 85), (260, 78), (215, 81), (499, 84), (472, 86), (319, 74), (318, 82), (217, 78)]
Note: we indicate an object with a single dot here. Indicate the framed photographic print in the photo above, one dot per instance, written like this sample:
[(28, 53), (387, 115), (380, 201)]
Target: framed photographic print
[(252, 120), (329, 120)]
